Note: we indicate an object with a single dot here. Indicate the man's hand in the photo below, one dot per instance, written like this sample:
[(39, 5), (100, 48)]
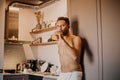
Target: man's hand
[(59, 34)]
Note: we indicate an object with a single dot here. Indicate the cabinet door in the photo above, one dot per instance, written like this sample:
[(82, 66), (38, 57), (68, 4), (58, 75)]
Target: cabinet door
[(33, 77), (15, 77)]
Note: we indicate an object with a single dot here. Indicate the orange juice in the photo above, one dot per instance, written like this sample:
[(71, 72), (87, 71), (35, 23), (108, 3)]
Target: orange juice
[(54, 37)]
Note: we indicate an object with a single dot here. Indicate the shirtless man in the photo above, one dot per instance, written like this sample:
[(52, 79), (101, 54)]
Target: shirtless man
[(69, 48)]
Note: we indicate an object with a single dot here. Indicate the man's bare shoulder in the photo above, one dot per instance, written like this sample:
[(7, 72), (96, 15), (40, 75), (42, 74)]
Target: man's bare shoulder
[(77, 43), (78, 38)]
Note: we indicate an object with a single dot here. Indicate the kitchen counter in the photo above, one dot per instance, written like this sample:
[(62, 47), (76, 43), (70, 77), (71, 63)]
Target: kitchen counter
[(44, 74), (48, 75)]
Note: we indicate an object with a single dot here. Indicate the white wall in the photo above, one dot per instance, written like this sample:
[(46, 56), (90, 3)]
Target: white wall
[(27, 21), (53, 11), (2, 24), (85, 13), (98, 22), (111, 39)]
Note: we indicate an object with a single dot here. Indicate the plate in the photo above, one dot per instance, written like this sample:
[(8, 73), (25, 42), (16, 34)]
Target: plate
[(44, 67)]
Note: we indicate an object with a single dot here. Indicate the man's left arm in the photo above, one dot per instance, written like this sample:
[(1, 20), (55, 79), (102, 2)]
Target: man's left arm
[(77, 44)]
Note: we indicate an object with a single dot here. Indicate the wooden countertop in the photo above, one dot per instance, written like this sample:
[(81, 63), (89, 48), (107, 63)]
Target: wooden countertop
[(43, 74)]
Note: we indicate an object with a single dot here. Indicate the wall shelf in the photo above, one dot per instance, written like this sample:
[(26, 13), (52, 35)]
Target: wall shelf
[(44, 43), (44, 30), (17, 42)]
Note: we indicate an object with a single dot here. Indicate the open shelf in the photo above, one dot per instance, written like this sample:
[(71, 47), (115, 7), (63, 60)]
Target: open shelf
[(16, 42), (44, 43), (44, 30)]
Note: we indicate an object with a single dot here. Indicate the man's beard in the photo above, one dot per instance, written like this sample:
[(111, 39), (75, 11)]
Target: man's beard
[(65, 32)]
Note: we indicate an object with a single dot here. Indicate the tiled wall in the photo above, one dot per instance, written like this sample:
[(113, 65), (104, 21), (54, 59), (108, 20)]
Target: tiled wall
[(13, 54)]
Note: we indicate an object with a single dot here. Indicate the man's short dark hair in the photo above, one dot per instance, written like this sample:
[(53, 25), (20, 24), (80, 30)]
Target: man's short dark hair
[(66, 19)]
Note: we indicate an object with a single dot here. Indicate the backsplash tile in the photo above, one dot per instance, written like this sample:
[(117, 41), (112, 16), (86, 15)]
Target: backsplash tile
[(14, 54)]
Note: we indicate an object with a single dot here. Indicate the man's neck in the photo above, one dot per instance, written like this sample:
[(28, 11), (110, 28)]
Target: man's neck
[(67, 36)]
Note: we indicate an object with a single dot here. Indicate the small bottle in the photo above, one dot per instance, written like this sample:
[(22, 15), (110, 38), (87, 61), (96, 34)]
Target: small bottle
[(40, 38), (43, 24)]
